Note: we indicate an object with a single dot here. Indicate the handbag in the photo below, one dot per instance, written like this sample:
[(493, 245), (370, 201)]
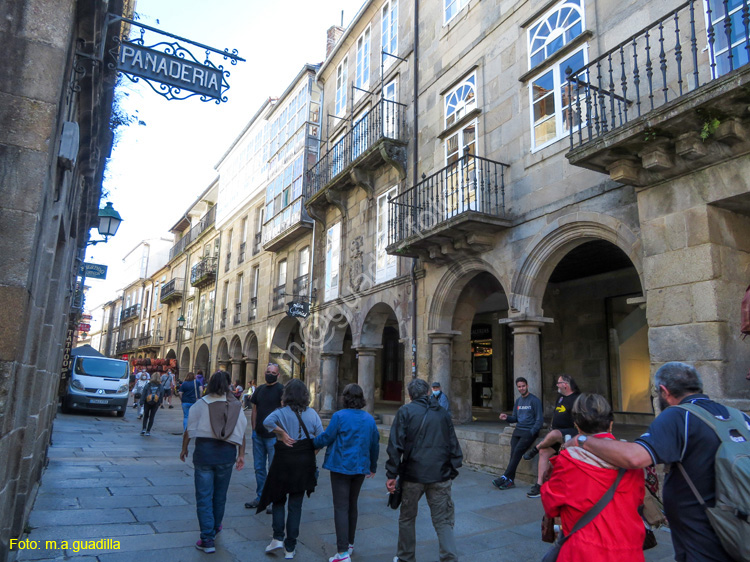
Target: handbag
[(394, 498), (585, 519), (304, 428)]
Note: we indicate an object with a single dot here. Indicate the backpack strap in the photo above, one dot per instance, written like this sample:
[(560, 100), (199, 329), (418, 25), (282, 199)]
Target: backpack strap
[(713, 422), (597, 508)]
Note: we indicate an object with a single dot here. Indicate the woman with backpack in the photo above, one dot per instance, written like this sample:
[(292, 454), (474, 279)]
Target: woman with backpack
[(151, 398)]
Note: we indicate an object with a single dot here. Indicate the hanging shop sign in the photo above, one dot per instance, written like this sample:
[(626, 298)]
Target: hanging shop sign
[(93, 271), (298, 309)]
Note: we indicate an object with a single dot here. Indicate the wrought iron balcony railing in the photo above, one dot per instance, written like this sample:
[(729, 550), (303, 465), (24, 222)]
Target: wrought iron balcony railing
[(223, 321), (469, 185), (241, 255), (256, 243), (172, 290), (386, 120), (279, 294), (146, 339), (130, 313), (204, 272), (206, 220), (286, 226), (228, 262), (301, 285), (123, 346), (655, 66), (252, 310), (237, 313)]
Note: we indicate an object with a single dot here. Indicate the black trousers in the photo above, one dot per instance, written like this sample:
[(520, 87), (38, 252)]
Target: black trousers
[(149, 413), (345, 489), (519, 444)]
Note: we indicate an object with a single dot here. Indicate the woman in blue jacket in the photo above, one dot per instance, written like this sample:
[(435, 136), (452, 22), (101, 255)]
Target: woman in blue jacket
[(353, 445)]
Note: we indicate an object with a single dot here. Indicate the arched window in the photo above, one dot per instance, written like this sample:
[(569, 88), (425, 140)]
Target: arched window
[(555, 30), (461, 100)]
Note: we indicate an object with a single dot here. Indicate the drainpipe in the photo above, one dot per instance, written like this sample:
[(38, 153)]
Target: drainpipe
[(213, 311), (414, 173)]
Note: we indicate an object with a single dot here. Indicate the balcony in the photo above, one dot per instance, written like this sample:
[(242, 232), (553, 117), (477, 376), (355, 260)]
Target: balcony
[(455, 211), (203, 273), (223, 321), (669, 100), (379, 138), (151, 339), (286, 227), (125, 346), (279, 295), (241, 255), (237, 313), (300, 285), (172, 290), (130, 313), (252, 311), (256, 243), (206, 220)]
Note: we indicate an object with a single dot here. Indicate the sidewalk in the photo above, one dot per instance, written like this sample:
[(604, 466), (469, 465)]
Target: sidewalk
[(105, 481)]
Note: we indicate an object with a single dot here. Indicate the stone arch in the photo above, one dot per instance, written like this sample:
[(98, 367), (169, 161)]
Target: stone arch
[(449, 289), (335, 329), (250, 347), (171, 354), (554, 242), (235, 348), (222, 352), (375, 320), (184, 364), (284, 328), (202, 360)]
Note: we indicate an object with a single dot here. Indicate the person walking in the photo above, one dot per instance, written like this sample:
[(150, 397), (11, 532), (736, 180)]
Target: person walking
[(167, 381), (190, 392), (561, 429), (217, 424), (353, 445), (424, 453), (151, 399), (292, 472), (580, 479), (439, 395), (528, 417), (138, 391), (265, 400)]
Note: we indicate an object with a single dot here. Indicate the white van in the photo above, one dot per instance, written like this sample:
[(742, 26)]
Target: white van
[(97, 383)]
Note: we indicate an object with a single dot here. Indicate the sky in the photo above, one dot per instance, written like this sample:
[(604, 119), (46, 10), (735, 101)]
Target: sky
[(160, 166)]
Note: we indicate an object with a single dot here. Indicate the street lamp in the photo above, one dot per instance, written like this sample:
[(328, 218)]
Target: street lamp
[(109, 222)]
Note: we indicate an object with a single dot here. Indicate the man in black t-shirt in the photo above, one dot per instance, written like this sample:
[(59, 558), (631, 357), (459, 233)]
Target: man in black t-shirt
[(561, 429), (265, 400)]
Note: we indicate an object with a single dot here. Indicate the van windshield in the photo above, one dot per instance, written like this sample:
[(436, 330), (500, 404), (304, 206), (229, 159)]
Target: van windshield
[(99, 367)]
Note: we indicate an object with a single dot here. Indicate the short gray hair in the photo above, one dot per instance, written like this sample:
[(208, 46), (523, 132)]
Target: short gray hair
[(680, 379), (418, 388)]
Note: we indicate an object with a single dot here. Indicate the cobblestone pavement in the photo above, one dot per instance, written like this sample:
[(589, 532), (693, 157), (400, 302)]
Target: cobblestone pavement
[(105, 481)]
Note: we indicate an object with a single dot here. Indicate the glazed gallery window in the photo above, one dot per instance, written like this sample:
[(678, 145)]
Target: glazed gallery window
[(385, 264), (391, 124), (452, 7), (723, 15), (341, 83), (362, 78), (333, 256), (548, 91), (461, 100), (389, 31)]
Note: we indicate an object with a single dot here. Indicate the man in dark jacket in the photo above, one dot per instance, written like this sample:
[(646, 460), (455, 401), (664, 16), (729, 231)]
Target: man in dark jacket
[(424, 451)]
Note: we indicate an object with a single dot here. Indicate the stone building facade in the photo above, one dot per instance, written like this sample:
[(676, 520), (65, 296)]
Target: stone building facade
[(54, 139)]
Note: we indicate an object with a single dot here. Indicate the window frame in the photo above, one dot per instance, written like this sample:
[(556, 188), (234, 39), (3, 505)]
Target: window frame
[(333, 261), (342, 79), (531, 31), (362, 65), (465, 109), (390, 269), (461, 4), (388, 32)]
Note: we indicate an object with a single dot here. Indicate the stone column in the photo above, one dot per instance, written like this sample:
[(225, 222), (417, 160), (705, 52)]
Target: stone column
[(251, 367), (527, 360), (236, 363), (441, 347), (330, 377), (366, 357)]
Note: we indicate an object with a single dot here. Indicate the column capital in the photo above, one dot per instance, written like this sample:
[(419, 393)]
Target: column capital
[(251, 361), (236, 361), (331, 353), (526, 321), (368, 350), (437, 336)]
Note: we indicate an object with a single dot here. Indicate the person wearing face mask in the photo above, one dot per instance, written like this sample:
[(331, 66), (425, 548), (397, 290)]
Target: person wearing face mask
[(439, 395), (138, 390), (265, 400)]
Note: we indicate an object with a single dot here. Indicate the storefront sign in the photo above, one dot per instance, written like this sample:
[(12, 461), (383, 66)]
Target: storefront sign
[(93, 271), (84, 327), (66, 362), (298, 309)]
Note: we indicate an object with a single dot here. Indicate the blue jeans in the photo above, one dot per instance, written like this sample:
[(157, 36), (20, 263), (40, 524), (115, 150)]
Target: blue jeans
[(292, 520), (185, 410), (262, 458), (211, 485)]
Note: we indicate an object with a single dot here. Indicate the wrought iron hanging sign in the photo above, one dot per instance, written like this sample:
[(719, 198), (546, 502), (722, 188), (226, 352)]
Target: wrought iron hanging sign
[(171, 69)]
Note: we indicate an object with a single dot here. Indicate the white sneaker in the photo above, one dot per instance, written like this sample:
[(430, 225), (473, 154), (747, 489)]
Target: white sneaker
[(275, 545), (351, 549), (340, 557), (290, 555)]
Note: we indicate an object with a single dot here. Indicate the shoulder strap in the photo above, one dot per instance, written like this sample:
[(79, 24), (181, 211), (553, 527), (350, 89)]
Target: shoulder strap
[(713, 422), (407, 452), (589, 516), (302, 424)]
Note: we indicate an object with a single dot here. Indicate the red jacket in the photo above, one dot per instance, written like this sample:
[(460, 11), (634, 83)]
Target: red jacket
[(578, 481)]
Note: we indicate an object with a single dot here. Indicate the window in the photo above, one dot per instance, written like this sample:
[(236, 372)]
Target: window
[(341, 85), (362, 77), (240, 288), (549, 100), (452, 7), (189, 316), (554, 30), (338, 155), (461, 100), (737, 33), (256, 280), (385, 264), (360, 129), (391, 123), (333, 251), (460, 192), (389, 31), (303, 267), (281, 274)]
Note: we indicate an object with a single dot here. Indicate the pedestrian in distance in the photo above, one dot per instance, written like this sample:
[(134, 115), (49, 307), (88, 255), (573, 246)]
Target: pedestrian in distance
[(217, 424), (353, 445), (424, 453), (247, 395), (265, 400), (580, 479), (167, 381), (293, 472), (439, 395), (561, 429), (200, 378), (151, 399), (138, 391), (528, 417), (190, 392)]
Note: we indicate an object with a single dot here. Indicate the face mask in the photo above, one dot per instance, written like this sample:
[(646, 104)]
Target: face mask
[(270, 379), (435, 393)]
